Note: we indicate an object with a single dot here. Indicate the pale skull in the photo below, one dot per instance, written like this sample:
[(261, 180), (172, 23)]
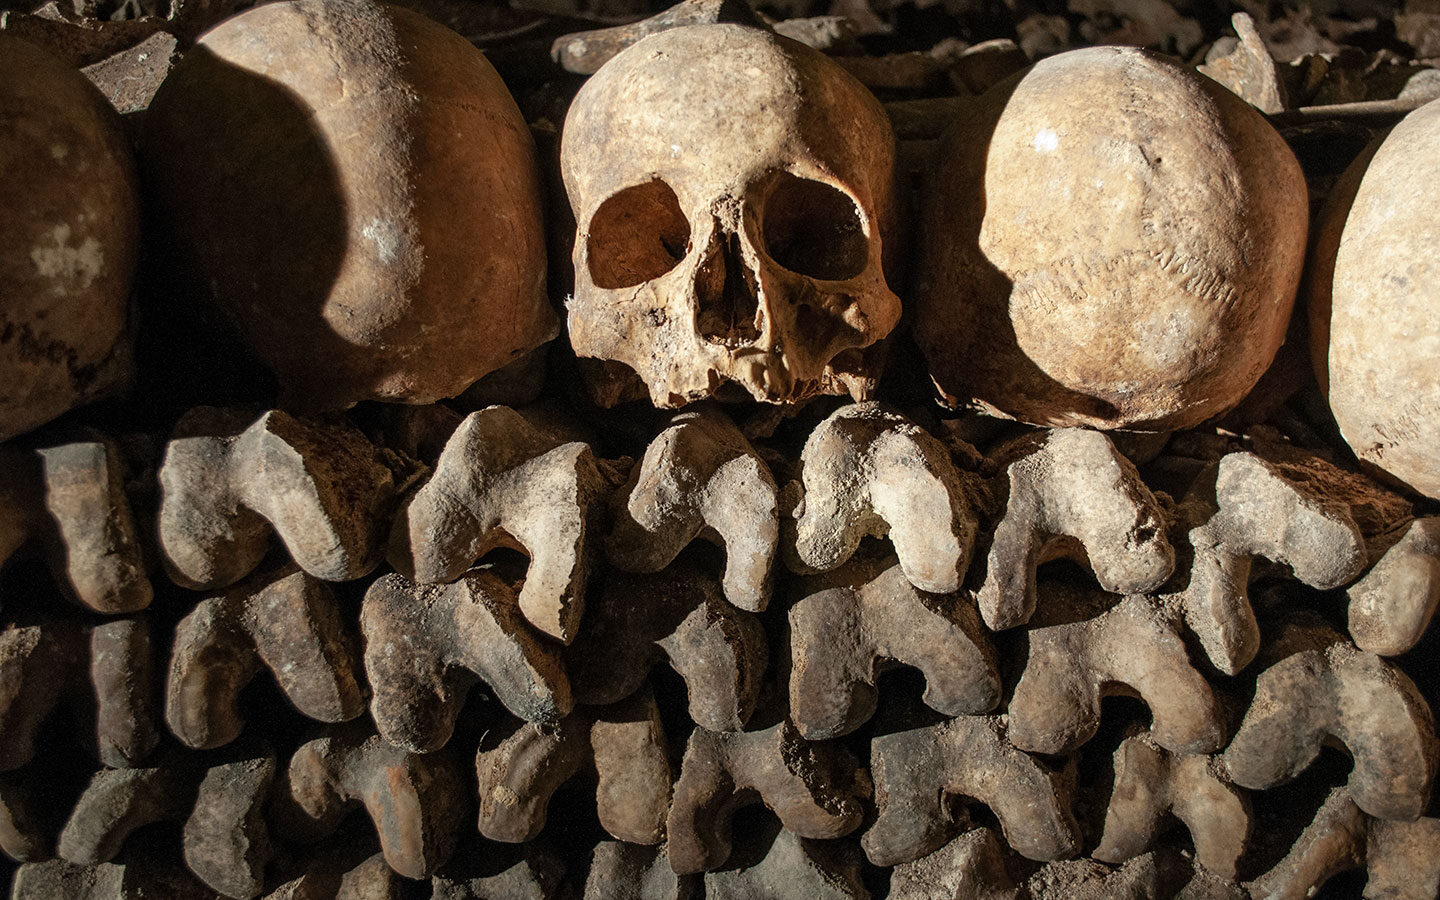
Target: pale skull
[(734, 194)]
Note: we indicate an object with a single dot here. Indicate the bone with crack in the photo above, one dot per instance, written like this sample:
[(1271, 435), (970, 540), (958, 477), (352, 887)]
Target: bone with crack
[(1399, 857), (1151, 782), (481, 870), (105, 668), (731, 239), (849, 622), (813, 787), (915, 771), (427, 644), (519, 769), (415, 801), (225, 837), (1069, 493), (621, 871), (1391, 606), (971, 867), (1244, 507), (700, 478), (1085, 645), (1321, 689), (791, 867), (503, 482), (283, 620), (230, 478), (867, 471), (68, 501), (677, 615)]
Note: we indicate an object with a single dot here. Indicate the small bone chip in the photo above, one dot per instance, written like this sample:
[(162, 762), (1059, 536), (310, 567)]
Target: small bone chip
[(229, 478), (1064, 487), (503, 482), (282, 620), (700, 478), (427, 644), (869, 472)]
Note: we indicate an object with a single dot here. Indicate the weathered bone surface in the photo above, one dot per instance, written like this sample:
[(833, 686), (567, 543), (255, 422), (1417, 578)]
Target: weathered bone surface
[(427, 644), (106, 669), (1069, 493), (503, 482), (750, 258), (1129, 323), (229, 478), (225, 836), (1399, 857), (623, 745), (1151, 783), (1391, 607), (26, 826), (621, 871), (139, 875), (791, 867), (487, 871), (813, 787), (415, 801), (1321, 689), (971, 867), (335, 875), (916, 770), (68, 501), (584, 52), (1148, 877), (68, 243), (700, 478), (678, 615), (1085, 644), (415, 263), (1245, 507), (870, 472), (282, 620), (846, 624)]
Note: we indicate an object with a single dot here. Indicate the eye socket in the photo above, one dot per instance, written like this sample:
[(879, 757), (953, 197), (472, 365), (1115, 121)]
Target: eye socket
[(636, 236), (813, 229)]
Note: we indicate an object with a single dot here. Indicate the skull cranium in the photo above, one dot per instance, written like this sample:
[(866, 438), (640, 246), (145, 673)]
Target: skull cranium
[(734, 194)]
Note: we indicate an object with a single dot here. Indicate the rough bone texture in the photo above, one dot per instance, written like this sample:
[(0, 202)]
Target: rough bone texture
[(503, 482), (1391, 607), (971, 867), (229, 478)]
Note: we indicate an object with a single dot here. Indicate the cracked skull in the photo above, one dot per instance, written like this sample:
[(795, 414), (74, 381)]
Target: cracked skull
[(734, 194)]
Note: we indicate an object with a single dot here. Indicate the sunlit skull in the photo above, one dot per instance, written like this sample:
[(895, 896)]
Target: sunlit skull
[(734, 194)]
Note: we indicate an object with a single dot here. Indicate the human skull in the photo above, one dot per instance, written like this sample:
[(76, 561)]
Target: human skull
[(734, 194)]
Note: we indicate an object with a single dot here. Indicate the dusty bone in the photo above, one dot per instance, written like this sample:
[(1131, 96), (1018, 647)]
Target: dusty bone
[(623, 745), (106, 668), (68, 500), (812, 787), (1095, 649), (584, 52), (1071, 494), (226, 839), (621, 871), (26, 835), (1151, 782), (916, 770), (867, 471), (848, 623), (751, 260), (971, 867), (415, 801), (230, 478), (1249, 71), (1161, 873), (1391, 606), (678, 615), (139, 875), (480, 870), (1323, 689), (503, 482), (700, 478), (1244, 507), (791, 867), (427, 644), (283, 620), (342, 878), (1399, 857)]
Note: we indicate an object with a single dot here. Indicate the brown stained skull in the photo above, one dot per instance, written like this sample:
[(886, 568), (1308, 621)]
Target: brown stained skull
[(734, 194)]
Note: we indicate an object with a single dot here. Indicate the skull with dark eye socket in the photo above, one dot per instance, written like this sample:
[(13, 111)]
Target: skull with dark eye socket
[(734, 194)]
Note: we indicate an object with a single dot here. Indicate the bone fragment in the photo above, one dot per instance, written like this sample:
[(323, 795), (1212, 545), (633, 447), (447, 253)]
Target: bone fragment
[(791, 867), (971, 867), (621, 871), (485, 871), (1249, 71), (584, 52), (137, 877), (1392, 605)]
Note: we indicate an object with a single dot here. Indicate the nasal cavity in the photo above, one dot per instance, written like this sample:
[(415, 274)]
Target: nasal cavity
[(728, 296)]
